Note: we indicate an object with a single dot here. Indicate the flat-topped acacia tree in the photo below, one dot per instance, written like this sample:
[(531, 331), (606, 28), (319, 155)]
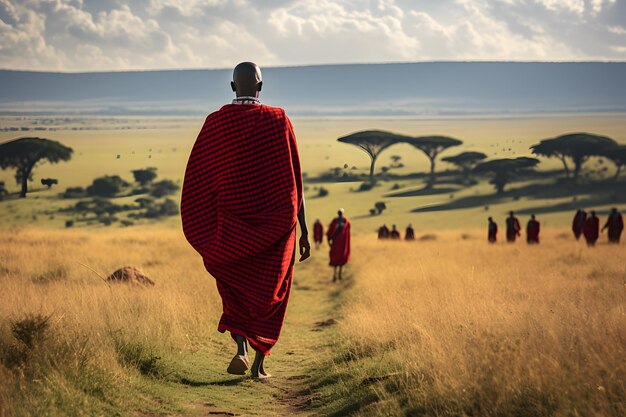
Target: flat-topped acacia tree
[(373, 142), (432, 146), (578, 147), (23, 154), (505, 169), (466, 161)]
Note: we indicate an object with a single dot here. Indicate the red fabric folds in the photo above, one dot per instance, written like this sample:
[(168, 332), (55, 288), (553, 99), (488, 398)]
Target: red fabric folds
[(339, 236), (240, 199), (532, 231), (591, 229)]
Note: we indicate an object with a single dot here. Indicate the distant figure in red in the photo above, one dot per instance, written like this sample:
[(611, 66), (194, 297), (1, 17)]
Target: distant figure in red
[(492, 233), (318, 233), (615, 224), (383, 232), (410, 233), (395, 235), (592, 229), (339, 241), (579, 223), (240, 205), (512, 227), (532, 230)]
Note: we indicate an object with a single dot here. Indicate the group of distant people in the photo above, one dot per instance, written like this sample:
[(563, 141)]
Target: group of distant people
[(338, 237), (587, 225), (394, 234)]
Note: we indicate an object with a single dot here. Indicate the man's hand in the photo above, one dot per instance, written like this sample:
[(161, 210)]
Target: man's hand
[(305, 248)]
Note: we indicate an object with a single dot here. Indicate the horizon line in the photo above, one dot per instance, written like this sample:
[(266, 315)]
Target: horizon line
[(488, 61)]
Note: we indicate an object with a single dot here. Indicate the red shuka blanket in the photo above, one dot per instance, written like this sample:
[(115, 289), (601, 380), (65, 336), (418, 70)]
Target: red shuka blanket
[(240, 199), (318, 232), (340, 242)]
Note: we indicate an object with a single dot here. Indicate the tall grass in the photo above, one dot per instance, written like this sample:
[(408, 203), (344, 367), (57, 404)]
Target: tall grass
[(459, 327), (71, 344)]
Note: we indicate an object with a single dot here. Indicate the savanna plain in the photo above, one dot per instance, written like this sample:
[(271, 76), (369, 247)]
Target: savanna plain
[(447, 325)]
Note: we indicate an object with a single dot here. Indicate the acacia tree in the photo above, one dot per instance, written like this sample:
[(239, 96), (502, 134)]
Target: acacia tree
[(466, 161), (578, 147), (373, 142), (432, 146), (504, 170), (617, 155), (23, 155)]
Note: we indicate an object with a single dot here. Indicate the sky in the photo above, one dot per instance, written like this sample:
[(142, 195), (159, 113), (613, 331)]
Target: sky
[(103, 35)]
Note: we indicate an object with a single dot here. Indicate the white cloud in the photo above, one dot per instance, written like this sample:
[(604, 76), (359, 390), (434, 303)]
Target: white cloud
[(150, 34)]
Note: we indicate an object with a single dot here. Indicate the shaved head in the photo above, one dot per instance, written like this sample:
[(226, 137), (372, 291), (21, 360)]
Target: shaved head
[(247, 80)]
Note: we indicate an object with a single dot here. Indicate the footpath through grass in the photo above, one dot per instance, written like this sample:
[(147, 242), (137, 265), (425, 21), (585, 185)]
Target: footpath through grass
[(72, 345)]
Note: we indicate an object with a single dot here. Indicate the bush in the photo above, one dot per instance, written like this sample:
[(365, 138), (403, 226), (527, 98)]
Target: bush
[(3, 190), (366, 186), (74, 192), (31, 329), (380, 206), (322, 192), (163, 188), (49, 182), (145, 176), (167, 208), (107, 186)]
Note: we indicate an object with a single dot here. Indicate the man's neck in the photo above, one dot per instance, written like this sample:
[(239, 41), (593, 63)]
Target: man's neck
[(247, 100)]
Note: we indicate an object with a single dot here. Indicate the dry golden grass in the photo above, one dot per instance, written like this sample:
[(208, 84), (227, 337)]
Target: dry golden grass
[(95, 329), (458, 327)]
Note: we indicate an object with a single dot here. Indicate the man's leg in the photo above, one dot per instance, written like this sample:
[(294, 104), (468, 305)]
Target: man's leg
[(258, 369), (334, 273), (340, 271), (240, 362)]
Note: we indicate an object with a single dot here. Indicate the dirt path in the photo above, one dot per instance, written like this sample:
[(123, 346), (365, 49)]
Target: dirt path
[(305, 344)]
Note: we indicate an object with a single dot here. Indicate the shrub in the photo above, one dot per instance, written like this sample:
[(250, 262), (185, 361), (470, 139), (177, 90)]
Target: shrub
[(163, 188), (380, 206), (322, 192), (145, 176), (31, 329), (366, 186), (107, 186), (49, 182), (74, 192)]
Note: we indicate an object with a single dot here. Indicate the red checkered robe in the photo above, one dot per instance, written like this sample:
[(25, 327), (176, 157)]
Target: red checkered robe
[(339, 235), (240, 199)]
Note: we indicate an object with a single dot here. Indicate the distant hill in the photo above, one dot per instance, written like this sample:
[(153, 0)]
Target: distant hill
[(437, 88)]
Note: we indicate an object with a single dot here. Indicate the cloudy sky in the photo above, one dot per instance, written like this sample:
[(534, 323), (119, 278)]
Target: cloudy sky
[(88, 35)]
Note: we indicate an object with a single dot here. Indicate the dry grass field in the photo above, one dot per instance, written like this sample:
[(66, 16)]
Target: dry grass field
[(450, 326), (457, 327)]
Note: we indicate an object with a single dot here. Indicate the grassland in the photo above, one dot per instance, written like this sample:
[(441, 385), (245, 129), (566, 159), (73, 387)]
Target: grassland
[(455, 327), (447, 326), (439, 327)]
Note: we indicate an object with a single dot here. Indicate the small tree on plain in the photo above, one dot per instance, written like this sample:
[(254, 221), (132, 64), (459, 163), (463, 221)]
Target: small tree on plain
[(432, 146), (504, 170), (465, 161), (24, 154), (145, 176), (49, 182), (380, 206)]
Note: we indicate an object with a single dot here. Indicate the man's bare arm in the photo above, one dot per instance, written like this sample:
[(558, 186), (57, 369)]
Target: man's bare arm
[(305, 246)]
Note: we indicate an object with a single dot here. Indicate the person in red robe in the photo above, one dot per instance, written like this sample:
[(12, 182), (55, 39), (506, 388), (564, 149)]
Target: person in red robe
[(513, 227), (318, 233), (410, 233), (591, 231), (578, 224), (244, 228), (615, 224), (339, 241), (532, 230), (492, 231), (395, 235), (383, 232)]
